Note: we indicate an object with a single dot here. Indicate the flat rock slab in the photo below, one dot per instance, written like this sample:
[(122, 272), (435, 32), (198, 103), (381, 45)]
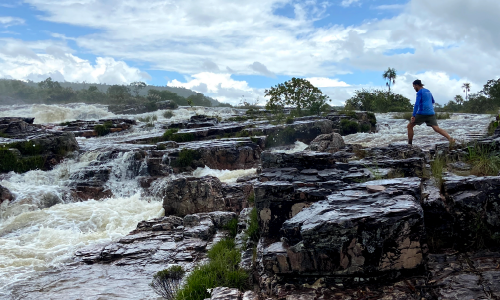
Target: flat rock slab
[(375, 188)]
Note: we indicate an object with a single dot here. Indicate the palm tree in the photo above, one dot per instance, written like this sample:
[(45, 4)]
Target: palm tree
[(466, 87), (390, 77)]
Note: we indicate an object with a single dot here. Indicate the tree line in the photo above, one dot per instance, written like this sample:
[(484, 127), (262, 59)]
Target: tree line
[(50, 91)]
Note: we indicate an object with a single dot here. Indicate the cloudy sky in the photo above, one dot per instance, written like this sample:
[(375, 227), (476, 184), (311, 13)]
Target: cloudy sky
[(230, 49)]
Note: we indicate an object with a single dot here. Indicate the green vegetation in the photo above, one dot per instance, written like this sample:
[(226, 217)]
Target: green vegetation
[(390, 77), (251, 198), (281, 137), (364, 127), (437, 166), (348, 126), (53, 92), (253, 231), (168, 114), (186, 158), (485, 159), (166, 283), (371, 118), (173, 135), (149, 120), (104, 129), (220, 270), (483, 102), (297, 93), (289, 120), (493, 126), (232, 227), (9, 161), (378, 101)]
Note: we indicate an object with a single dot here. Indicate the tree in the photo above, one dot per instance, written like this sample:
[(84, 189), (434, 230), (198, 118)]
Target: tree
[(137, 86), (466, 87), (378, 101), (459, 99), (390, 77), (297, 93)]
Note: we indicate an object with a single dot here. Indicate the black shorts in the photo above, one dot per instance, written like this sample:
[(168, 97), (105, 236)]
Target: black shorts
[(430, 120)]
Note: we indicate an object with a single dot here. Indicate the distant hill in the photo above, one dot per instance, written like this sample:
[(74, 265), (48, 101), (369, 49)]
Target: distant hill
[(102, 87)]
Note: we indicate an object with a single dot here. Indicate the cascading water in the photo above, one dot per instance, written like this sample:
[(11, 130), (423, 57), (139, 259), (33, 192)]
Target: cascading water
[(43, 227)]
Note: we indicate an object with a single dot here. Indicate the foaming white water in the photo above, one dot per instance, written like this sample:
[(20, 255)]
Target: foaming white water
[(40, 189), (44, 113), (227, 176), (37, 240), (462, 127), (297, 147)]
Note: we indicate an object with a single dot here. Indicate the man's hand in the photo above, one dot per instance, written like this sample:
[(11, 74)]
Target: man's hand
[(412, 120)]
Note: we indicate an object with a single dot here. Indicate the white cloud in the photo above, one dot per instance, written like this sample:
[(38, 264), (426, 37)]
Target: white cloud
[(326, 82), (450, 37), (390, 6), (39, 60), (347, 3), (219, 85), (10, 21)]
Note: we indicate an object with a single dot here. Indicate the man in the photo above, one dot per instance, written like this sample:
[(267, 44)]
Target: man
[(423, 111)]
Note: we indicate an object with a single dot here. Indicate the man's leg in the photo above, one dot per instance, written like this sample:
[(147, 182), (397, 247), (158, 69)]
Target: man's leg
[(410, 132), (442, 132)]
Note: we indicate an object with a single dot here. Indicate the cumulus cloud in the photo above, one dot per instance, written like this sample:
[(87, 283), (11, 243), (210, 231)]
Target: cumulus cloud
[(38, 60), (451, 38), (261, 69), (326, 82), (219, 85), (10, 21)]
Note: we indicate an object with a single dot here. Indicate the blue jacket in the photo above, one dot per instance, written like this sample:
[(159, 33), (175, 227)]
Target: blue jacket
[(424, 103)]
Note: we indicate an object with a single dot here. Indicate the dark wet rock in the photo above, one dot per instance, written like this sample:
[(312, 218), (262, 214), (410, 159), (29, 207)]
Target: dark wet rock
[(87, 128), (409, 167), (5, 194), (249, 295), (393, 151), (167, 145), (201, 121), (352, 234), (190, 195), (460, 166), (169, 239), (223, 154), (224, 293), (475, 205), (439, 222), (331, 143), (304, 160)]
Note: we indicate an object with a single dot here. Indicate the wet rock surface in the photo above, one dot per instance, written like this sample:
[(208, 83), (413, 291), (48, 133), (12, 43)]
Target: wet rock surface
[(331, 143), (5, 194)]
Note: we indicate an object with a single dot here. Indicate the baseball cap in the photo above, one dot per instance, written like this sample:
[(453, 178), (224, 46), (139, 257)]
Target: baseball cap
[(418, 82)]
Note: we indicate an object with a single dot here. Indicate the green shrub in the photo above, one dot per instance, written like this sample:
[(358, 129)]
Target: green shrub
[(253, 230), (364, 127), (161, 147), (186, 158), (403, 115), (443, 116), (289, 120), (101, 130), (281, 137), (220, 270), (251, 198), (348, 127), (168, 114), (437, 166), (350, 114), (371, 118), (166, 283), (173, 135), (10, 162), (232, 227), (492, 127)]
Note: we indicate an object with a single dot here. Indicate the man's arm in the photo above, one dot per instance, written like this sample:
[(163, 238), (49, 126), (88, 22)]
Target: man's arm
[(417, 103)]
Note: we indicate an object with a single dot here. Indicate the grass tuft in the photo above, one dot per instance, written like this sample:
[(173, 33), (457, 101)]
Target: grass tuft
[(484, 159), (221, 270), (168, 114), (437, 166), (348, 127)]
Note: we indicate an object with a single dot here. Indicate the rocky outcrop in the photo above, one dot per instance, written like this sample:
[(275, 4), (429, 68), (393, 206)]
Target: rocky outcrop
[(173, 239), (331, 143), (189, 195), (5, 194), (88, 128), (353, 235), (223, 154)]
